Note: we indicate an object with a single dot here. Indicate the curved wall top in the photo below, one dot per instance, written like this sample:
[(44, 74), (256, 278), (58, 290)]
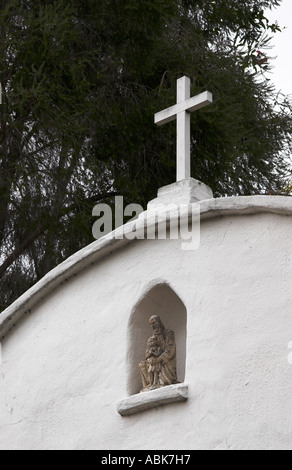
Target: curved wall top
[(238, 205)]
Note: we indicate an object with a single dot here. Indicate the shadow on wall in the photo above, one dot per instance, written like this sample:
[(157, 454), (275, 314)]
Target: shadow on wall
[(163, 301)]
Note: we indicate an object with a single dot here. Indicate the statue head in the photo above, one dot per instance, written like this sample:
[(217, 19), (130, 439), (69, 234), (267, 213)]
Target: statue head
[(153, 341), (156, 323)]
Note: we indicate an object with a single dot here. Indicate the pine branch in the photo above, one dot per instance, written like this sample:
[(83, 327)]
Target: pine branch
[(41, 229)]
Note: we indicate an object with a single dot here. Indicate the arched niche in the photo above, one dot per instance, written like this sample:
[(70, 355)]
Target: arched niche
[(163, 301)]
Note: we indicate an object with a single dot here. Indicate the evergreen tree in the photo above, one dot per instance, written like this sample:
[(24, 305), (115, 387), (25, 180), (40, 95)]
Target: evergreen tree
[(81, 81)]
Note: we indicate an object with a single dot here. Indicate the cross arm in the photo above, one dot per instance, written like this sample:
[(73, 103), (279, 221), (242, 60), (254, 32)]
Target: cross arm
[(192, 104)]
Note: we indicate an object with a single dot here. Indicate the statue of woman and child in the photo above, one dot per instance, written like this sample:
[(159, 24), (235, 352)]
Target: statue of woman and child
[(159, 367)]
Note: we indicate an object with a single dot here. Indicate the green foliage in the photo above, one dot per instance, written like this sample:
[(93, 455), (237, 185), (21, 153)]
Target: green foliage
[(82, 80)]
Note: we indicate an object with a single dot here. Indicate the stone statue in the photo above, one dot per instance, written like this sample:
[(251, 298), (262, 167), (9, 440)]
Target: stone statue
[(159, 367)]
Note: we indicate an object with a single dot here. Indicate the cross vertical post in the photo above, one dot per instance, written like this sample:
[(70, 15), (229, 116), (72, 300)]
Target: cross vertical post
[(183, 130)]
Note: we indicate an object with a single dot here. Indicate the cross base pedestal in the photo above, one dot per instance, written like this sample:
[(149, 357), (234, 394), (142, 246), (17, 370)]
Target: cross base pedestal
[(185, 191)]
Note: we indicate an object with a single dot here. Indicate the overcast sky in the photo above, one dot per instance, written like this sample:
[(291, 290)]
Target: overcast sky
[(282, 50)]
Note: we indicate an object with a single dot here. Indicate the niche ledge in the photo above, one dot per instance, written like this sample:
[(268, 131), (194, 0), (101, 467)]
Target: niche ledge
[(153, 398)]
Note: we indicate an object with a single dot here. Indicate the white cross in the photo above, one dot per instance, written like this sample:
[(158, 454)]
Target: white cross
[(182, 113)]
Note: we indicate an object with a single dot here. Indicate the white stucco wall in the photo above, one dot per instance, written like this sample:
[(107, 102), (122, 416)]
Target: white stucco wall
[(65, 363)]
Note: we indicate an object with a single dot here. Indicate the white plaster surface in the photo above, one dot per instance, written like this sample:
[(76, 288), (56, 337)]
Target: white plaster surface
[(65, 363)]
